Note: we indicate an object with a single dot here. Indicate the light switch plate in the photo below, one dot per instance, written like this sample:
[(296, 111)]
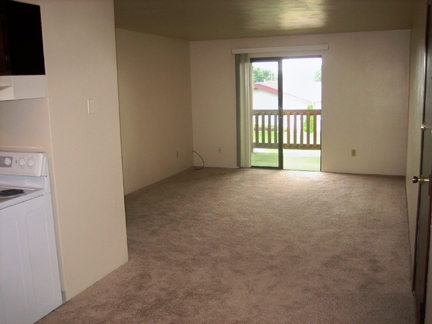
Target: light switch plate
[(90, 106)]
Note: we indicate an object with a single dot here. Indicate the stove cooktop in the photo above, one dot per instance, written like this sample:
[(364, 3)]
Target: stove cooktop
[(18, 195), (9, 193)]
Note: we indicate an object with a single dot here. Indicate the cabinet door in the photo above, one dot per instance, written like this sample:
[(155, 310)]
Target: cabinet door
[(4, 56), (22, 39)]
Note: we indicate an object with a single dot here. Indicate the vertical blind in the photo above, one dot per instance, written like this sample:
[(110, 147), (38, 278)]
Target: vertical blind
[(244, 118)]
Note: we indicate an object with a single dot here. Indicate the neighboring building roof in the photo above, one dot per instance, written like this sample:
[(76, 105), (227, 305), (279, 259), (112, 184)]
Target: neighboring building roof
[(272, 87), (269, 86)]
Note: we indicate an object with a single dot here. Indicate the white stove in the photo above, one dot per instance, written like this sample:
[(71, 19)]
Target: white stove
[(29, 272)]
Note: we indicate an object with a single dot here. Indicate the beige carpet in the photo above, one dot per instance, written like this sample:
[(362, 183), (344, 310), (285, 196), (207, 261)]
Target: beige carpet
[(258, 246)]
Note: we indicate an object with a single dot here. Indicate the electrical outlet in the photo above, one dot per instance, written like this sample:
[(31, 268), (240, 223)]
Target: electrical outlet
[(353, 152)]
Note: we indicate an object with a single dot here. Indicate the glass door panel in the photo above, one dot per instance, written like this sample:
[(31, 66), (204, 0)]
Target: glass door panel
[(266, 103), (302, 113)]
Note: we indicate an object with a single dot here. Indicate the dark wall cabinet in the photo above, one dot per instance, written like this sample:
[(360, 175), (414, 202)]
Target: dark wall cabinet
[(21, 45)]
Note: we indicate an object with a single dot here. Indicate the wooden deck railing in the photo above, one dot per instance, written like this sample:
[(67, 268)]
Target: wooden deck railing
[(301, 129)]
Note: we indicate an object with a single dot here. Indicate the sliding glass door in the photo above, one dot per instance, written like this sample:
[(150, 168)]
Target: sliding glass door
[(285, 109)]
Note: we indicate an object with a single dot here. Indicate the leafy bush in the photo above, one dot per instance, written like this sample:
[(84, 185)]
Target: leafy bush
[(311, 122)]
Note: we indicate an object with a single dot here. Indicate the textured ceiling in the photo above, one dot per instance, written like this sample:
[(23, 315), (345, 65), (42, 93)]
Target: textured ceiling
[(225, 19)]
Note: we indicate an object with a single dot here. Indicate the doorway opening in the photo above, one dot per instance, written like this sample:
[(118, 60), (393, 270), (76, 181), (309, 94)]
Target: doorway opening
[(286, 113)]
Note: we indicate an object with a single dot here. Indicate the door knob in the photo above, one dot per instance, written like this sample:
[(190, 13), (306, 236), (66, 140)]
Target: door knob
[(419, 180), (424, 126)]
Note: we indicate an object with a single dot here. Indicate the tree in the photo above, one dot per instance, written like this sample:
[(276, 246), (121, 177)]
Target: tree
[(261, 75), (311, 122), (317, 77)]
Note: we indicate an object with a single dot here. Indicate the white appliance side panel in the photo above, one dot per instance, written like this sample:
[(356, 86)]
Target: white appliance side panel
[(16, 299), (43, 255)]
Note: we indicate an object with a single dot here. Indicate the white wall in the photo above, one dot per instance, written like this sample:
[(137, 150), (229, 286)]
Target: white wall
[(80, 55), (155, 107), (84, 150), (25, 126), (365, 99)]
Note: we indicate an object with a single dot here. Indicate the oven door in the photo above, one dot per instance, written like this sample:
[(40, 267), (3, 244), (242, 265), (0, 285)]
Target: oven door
[(29, 269)]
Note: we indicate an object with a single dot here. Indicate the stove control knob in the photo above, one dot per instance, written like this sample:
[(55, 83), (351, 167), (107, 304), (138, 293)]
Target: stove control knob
[(22, 162), (7, 161), (31, 162)]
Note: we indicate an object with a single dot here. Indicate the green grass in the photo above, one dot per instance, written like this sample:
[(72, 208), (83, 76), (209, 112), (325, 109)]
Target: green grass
[(266, 137), (269, 158)]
